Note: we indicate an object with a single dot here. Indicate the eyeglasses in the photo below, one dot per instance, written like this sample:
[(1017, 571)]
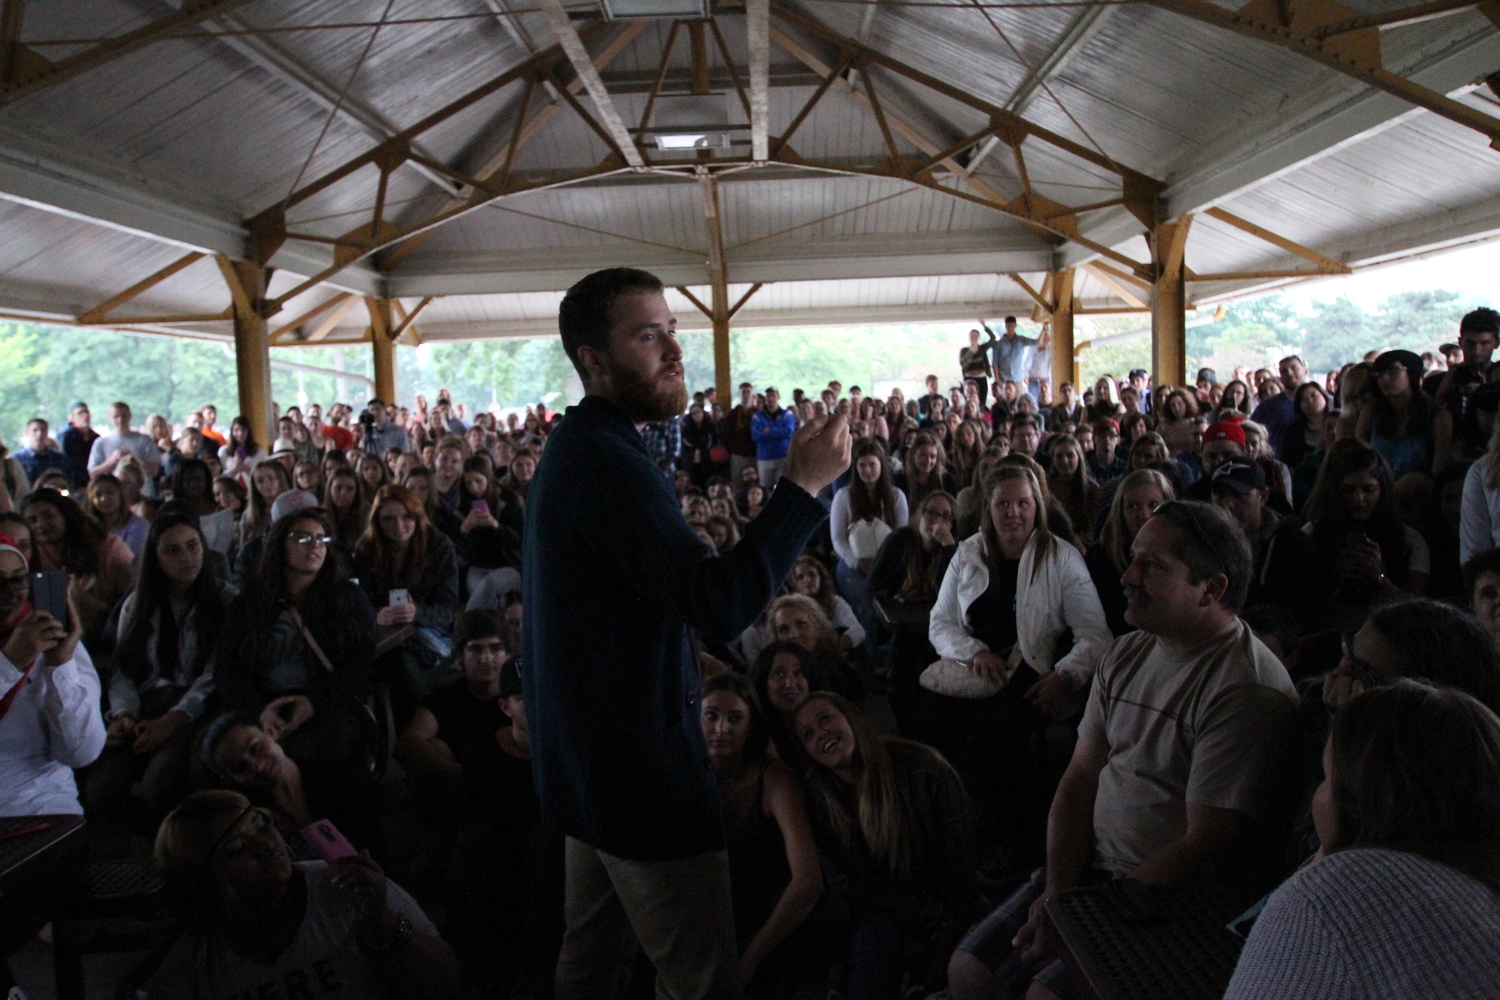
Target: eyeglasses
[(1364, 672), (1171, 507), (260, 821), (303, 538)]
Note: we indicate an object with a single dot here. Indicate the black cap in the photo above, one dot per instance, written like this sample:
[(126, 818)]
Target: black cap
[(510, 678), (1238, 474), (1401, 359), (1137, 373)]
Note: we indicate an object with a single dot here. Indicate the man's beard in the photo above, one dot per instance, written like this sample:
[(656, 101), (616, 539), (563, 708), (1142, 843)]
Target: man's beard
[(649, 398)]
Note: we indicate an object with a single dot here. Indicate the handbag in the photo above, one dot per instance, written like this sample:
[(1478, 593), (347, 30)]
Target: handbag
[(958, 679)]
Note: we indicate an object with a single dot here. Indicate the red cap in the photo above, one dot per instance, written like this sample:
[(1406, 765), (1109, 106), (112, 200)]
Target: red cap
[(1225, 430), (1105, 424), (1233, 417)]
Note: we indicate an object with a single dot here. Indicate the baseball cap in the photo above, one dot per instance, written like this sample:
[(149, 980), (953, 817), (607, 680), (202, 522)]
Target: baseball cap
[(291, 502), (1238, 474), (1225, 430), (510, 677), (1104, 424)]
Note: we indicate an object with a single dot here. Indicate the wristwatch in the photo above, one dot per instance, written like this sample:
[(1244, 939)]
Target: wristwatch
[(398, 939)]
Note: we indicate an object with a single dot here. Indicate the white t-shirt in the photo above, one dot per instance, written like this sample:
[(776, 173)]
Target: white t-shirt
[(324, 960), (136, 443)]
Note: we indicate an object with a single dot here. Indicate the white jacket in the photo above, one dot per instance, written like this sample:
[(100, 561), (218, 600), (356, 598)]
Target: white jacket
[(1479, 524), (1061, 597)]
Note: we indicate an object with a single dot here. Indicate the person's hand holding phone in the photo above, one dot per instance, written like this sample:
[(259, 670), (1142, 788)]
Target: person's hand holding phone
[(285, 715), (1360, 558), (120, 732), (67, 637), (396, 614), (362, 882)]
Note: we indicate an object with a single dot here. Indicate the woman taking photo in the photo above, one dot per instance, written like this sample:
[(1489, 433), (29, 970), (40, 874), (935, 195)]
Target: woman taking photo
[(257, 917), (1136, 498), (1408, 824), (1400, 422), (241, 454), (1367, 553), (781, 676), (774, 874), (162, 676), (105, 499), (907, 573), (489, 532), (98, 563), (864, 513), (895, 825), (925, 470), (1068, 481), (400, 552), (296, 651)]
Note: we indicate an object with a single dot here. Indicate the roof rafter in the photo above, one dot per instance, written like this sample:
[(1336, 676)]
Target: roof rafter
[(567, 37)]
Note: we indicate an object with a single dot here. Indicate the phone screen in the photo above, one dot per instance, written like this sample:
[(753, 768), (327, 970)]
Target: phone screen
[(330, 844), (483, 506)]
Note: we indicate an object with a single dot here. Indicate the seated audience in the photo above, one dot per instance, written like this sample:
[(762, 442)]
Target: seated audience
[(49, 699), (774, 875), (258, 922), (1105, 461), (925, 470), (1403, 899), (348, 510), (162, 677), (1479, 530), (1068, 481), (1136, 499), (105, 500), (506, 875), (864, 513), (433, 741), (64, 536), (1010, 595), (1285, 567), (783, 673), (799, 619), (1481, 582), (1181, 771)]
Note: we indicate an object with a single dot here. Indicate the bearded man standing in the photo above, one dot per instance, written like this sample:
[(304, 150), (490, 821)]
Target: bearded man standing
[(615, 580)]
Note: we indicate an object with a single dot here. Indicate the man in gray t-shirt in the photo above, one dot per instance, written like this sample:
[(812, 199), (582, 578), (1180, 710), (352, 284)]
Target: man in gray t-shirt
[(111, 449), (1187, 755)]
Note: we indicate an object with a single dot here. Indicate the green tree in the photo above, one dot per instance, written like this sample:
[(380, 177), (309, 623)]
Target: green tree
[(1335, 334)]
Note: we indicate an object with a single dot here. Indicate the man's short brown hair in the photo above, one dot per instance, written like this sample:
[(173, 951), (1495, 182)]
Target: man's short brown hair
[(583, 318)]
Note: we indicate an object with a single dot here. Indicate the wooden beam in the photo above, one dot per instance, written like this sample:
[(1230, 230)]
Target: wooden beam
[(698, 55), (382, 348), (705, 310), (30, 72), (317, 310), (408, 317), (1326, 264), (812, 102), (104, 308), (746, 297), (1169, 305), (661, 75), (572, 44), (1064, 360), (1117, 286), (1355, 52), (1125, 276), (718, 280), (885, 126), (252, 347), (1035, 295), (332, 320), (1256, 275), (1400, 17), (162, 320), (758, 25)]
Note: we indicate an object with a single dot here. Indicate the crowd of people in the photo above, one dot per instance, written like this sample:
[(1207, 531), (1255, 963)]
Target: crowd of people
[(1242, 632)]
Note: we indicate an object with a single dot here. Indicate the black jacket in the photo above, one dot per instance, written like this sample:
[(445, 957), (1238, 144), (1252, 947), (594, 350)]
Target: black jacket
[(614, 581)]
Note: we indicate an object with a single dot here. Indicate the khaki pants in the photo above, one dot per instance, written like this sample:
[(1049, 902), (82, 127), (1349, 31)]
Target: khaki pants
[(679, 911), (770, 471)]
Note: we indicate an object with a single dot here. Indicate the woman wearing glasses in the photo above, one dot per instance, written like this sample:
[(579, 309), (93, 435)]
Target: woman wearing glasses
[(296, 651), (398, 552), (262, 924)]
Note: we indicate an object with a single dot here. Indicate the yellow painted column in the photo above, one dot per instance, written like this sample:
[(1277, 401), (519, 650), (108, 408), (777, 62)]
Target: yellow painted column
[(1169, 305), (252, 346), (1063, 367), (382, 348)]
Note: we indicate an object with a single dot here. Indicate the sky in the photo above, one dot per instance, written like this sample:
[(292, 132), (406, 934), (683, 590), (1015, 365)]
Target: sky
[(1473, 270)]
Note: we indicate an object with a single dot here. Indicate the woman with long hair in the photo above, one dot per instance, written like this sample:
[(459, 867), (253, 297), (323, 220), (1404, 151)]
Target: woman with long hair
[(1236, 398), (105, 499), (1135, 499), (1369, 555), (811, 578), (65, 536), (132, 479), (968, 504), (1409, 829), (268, 480), (907, 573), (296, 651), (1401, 422), (782, 674), (373, 474), (241, 453), (409, 571), (489, 534), (1068, 480), (925, 470), (864, 513), (893, 818), (517, 478), (343, 499), (1258, 450), (774, 874), (799, 619), (1011, 594), (307, 476), (159, 430), (1175, 422), (1308, 439), (1106, 404), (968, 445), (162, 678), (231, 496)]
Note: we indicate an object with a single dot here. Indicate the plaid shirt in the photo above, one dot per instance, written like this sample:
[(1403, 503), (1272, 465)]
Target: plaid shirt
[(664, 442)]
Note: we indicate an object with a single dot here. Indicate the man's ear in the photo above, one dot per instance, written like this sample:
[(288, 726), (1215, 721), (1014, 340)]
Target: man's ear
[(1214, 589), (591, 358)]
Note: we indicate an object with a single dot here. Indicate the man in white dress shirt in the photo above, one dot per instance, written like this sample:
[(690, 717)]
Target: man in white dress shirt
[(50, 721)]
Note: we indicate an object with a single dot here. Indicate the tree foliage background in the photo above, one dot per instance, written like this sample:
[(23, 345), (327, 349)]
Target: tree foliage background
[(43, 369)]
